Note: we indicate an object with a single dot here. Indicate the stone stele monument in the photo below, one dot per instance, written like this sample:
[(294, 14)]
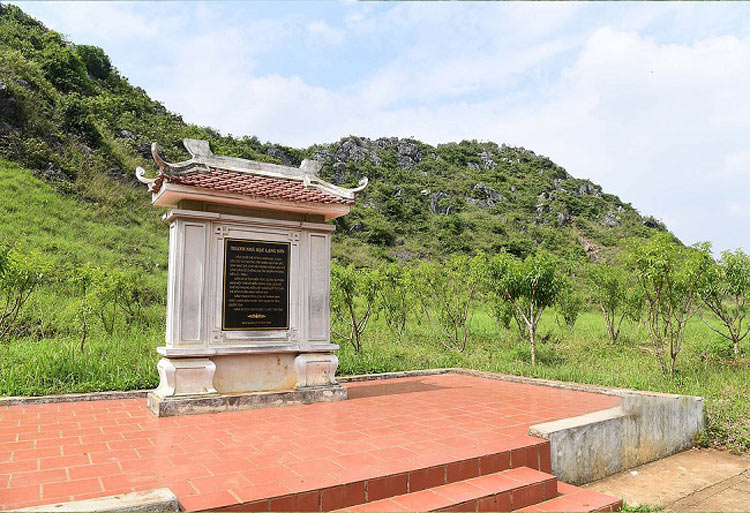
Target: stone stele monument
[(248, 318)]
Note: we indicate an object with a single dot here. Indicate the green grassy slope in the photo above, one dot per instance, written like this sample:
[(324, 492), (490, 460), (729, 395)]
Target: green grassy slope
[(68, 115)]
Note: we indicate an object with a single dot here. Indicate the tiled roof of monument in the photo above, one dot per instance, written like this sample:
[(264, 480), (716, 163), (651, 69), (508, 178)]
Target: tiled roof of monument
[(250, 178), (251, 185)]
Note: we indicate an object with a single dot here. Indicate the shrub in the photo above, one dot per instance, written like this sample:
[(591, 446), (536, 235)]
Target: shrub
[(96, 61), (447, 293)]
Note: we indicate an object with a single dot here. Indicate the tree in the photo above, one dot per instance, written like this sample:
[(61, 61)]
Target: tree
[(353, 293), (114, 291), (392, 298), (20, 275), (725, 292), (527, 287), (83, 279), (670, 277), (446, 293), (569, 304), (616, 296)]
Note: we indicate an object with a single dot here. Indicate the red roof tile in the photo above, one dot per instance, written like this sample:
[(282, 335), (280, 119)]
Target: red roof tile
[(251, 185)]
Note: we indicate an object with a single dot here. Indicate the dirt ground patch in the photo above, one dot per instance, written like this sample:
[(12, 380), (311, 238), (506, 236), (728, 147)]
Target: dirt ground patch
[(691, 481)]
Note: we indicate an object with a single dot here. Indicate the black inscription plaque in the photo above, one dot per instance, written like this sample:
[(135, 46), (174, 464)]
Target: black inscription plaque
[(256, 285)]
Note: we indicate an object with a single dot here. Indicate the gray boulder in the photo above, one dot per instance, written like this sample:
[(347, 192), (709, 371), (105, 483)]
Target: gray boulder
[(488, 197), (385, 143), (611, 220), (356, 228), (437, 208), (127, 134), (52, 172), (9, 106), (563, 218), (279, 155), (651, 222), (407, 154), (352, 151), (587, 189), (487, 160), (544, 195), (324, 156)]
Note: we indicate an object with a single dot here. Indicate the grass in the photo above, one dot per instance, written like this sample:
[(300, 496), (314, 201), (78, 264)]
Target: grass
[(126, 361), (35, 215)]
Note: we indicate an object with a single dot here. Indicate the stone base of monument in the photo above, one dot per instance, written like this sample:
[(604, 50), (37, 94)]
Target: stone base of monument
[(212, 403), (236, 378)]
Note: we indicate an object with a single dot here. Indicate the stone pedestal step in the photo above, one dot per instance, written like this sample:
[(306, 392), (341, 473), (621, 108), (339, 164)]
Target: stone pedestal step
[(502, 491)]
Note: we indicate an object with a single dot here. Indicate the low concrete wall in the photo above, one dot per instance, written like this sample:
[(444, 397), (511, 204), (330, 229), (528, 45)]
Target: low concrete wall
[(645, 427)]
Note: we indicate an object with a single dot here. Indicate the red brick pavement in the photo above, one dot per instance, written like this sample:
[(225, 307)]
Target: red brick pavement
[(72, 451)]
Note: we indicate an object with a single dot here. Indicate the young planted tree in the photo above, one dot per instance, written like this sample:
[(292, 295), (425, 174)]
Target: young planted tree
[(525, 288), (617, 296), (392, 298), (671, 278), (569, 304), (353, 294), (447, 293), (725, 292), (20, 275), (115, 292), (83, 279)]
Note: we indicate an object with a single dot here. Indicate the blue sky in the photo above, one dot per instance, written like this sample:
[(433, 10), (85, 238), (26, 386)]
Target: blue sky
[(648, 99)]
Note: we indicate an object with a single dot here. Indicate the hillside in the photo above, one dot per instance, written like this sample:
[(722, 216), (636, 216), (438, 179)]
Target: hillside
[(69, 117)]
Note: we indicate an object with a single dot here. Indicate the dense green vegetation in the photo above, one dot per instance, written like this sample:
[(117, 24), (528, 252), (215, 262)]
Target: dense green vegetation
[(83, 255)]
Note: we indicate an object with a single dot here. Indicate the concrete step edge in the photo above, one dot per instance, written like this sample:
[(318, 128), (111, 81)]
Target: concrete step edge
[(474, 494), (362, 489), (576, 500)]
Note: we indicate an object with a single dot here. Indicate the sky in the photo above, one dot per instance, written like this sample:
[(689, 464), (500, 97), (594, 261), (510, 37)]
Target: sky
[(649, 100)]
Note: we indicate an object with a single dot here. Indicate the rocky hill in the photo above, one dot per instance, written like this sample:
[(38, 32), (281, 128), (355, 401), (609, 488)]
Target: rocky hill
[(68, 115)]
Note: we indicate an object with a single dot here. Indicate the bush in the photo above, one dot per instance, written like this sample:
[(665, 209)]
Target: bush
[(447, 294), (96, 61)]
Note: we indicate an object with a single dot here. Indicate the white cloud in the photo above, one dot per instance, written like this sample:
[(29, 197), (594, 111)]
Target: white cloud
[(321, 30)]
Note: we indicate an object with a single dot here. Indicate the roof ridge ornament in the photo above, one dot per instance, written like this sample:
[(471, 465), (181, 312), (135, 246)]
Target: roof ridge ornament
[(140, 174), (205, 161)]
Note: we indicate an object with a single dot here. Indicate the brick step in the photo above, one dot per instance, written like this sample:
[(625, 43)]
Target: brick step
[(362, 482), (574, 499), (501, 491)]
